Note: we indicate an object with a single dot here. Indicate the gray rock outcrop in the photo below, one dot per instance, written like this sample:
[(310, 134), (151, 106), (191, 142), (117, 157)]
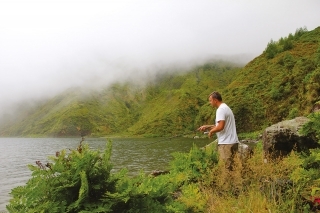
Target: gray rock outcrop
[(281, 138)]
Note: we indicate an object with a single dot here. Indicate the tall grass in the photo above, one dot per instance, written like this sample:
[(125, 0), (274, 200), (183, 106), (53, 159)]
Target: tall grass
[(255, 186)]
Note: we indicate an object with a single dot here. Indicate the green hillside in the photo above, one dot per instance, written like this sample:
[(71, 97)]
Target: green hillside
[(283, 82)]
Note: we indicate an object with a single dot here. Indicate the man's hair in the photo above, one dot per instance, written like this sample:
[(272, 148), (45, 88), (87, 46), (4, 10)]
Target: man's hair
[(216, 95)]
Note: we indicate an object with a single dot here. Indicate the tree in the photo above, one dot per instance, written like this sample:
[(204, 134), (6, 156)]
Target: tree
[(271, 50)]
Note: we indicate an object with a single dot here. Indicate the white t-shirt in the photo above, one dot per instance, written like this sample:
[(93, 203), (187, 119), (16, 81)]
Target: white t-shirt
[(229, 134)]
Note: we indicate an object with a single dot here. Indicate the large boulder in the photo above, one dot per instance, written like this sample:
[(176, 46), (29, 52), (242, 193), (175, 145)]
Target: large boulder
[(281, 138)]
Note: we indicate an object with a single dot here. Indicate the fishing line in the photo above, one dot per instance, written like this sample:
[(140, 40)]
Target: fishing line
[(169, 138), (194, 133)]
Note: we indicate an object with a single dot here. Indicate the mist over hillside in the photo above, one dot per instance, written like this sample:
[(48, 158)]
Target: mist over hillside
[(113, 108), (174, 101), (17, 107)]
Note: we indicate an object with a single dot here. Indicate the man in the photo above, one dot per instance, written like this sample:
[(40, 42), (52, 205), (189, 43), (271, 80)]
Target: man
[(225, 128)]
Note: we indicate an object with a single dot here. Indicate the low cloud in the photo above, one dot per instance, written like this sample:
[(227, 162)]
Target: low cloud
[(49, 46)]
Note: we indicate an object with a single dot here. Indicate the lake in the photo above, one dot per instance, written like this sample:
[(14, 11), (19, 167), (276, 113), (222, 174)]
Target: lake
[(135, 154)]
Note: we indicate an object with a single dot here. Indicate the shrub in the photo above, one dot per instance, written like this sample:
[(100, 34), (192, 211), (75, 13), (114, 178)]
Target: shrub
[(312, 128), (271, 49), (289, 61), (287, 45), (74, 182), (276, 92), (299, 32), (294, 112)]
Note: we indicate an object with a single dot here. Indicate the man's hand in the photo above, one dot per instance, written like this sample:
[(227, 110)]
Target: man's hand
[(203, 128), (217, 128), (210, 134)]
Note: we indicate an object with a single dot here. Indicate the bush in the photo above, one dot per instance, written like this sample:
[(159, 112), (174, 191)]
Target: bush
[(76, 181), (312, 128), (271, 50), (294, 112), (276, 92), (289, 61), (299, 32)]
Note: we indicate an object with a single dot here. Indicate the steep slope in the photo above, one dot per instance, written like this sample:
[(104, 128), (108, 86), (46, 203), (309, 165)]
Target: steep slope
[(283, 82)]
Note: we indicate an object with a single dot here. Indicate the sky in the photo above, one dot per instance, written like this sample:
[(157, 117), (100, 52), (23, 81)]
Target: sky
[(48, 46)]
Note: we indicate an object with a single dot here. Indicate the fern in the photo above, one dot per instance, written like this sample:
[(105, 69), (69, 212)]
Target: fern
[(75, 181)]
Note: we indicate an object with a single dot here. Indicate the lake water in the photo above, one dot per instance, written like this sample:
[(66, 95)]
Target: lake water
[(135, 154)]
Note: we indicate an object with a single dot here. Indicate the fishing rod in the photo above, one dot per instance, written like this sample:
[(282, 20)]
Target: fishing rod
[(194, 132), (169, 138)]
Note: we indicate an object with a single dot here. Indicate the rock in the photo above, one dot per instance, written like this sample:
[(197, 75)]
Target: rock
[(281, 138), (245, 151), (316, 107)]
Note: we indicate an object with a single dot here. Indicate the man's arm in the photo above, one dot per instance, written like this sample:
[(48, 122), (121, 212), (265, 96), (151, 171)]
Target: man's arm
[(219, 127)]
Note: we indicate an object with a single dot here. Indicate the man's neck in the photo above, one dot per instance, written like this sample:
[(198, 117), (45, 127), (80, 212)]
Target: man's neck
[(219, 103)]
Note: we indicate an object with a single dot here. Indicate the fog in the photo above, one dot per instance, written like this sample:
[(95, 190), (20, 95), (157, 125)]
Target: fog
[(48, 46)]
